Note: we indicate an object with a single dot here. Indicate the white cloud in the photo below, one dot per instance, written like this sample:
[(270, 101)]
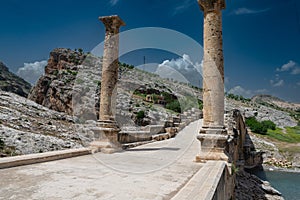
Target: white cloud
[(183, 6), (277, 82), (291, 66), (296, 71), (238, 90), (286, 67), (226, 80), (261, 91), (184, 68), (246, 11), (183, 63), (113, 2), (31, 72)]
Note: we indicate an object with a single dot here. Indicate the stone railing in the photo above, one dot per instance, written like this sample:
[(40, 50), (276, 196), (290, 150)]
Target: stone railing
[(212, 182), (241, 149)]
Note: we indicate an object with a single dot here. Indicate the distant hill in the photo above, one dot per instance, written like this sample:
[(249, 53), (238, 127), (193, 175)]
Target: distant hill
[(275, 102), (10, 82)]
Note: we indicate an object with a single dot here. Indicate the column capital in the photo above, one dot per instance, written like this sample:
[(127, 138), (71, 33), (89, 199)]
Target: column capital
[(211, 5), (112, 23)]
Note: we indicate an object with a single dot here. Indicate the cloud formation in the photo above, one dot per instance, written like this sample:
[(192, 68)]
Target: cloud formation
[(296, 71), (277, 82), (286, 67), (247, 11), (183, 6), (113, 2), (31, 72), (239, 90), (291, 67), (183, 63), (184, 68)]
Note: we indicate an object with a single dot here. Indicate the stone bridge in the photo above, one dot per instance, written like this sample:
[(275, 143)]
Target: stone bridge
[(177, 168), (159, 170)]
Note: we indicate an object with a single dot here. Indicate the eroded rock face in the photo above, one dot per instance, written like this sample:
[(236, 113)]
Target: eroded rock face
[(12, 83), (54, 89), (31, 128)]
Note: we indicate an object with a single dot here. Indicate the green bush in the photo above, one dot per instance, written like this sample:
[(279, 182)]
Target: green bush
[(200, 103), (140, 115), (269, 124), (256, 126), (174, 105), (80, 50)]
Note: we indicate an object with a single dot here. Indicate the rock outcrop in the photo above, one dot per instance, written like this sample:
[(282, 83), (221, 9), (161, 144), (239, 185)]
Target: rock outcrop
[(12, 83), (54, 89)]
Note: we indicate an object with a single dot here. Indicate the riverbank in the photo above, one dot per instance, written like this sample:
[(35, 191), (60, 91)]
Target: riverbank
[(251, 187), (286, 181), (280, 169)]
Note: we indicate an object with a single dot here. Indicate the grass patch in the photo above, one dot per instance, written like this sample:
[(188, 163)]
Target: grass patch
[(292, 150), (292, 134)]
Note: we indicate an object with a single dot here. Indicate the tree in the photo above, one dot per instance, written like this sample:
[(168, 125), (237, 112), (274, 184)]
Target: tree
[(174, 105), (260, 127), (269, 124)]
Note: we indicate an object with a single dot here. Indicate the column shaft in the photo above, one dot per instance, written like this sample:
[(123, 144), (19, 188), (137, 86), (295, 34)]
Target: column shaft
[(110, 67), (213, 70)]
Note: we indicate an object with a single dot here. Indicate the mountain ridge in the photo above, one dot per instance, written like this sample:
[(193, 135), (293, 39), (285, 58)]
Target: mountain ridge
[(12, 83)]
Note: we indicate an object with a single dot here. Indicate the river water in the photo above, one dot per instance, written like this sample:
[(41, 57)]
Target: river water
[(288, 183)]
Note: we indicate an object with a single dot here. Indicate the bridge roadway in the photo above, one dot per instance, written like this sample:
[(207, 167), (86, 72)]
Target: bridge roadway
[(153, 171)]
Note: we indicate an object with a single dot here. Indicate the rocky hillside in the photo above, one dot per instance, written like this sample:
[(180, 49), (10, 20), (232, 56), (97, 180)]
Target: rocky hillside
[(12, 83), (71, 84), (275, 102), (66, 100), (27, 127), (262, 112)]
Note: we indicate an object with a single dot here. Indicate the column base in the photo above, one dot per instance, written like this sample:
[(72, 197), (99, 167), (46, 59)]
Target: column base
[(106, 137), (213, 144)]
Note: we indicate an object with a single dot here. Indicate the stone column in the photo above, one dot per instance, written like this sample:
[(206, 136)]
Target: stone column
[(107, 130), (213, 134), (110, 67)]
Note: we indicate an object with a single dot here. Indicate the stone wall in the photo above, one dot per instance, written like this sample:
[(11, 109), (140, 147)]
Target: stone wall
[(242, 152)]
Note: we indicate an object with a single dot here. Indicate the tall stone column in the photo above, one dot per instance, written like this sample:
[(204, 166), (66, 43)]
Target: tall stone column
[(213, 134), (110, 67), (107, 130)]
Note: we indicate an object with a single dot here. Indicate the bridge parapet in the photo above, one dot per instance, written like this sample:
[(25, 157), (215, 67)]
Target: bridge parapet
[(240, 148)]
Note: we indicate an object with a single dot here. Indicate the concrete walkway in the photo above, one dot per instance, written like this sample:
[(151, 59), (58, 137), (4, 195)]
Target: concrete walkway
[(153, 171)]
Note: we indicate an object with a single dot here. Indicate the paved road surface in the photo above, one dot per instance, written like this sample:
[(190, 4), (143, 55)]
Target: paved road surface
[(153, 171)]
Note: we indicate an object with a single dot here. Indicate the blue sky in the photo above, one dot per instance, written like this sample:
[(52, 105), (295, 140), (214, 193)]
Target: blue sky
[(261, 38)]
